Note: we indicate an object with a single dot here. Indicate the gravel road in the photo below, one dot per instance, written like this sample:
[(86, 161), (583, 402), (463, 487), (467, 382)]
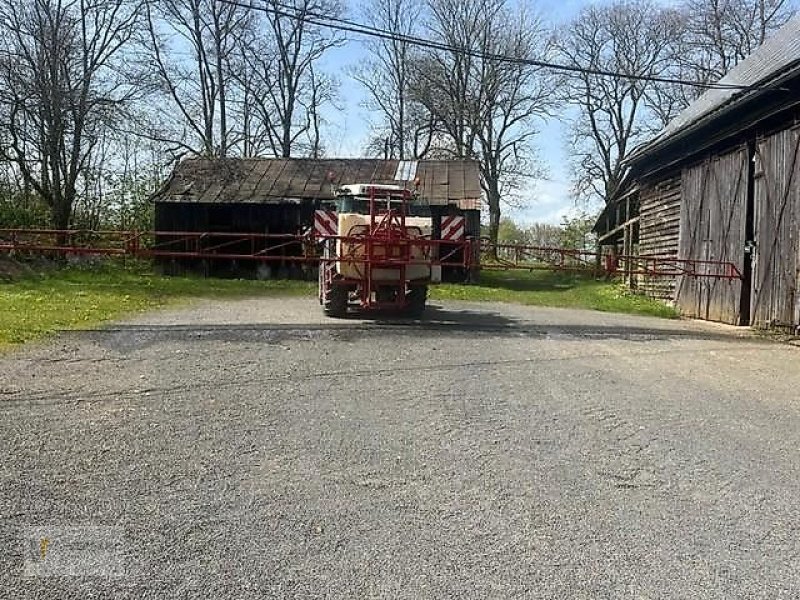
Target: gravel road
[(255, 449)]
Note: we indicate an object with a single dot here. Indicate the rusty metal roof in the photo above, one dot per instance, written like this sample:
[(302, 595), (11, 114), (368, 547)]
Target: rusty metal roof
[(275, 180)]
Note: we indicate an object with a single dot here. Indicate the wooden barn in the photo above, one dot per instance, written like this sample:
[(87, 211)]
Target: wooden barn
[(617, 227), (279, 196), (722, 183)]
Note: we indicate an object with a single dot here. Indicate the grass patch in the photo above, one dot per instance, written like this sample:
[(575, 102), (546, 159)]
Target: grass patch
[(546, 288), (75, 298), (38, 303)]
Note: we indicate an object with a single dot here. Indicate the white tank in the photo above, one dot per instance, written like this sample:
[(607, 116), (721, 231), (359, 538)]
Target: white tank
[(353, 224)]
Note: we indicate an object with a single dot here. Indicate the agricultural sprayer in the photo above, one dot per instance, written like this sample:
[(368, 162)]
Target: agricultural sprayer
[(375, 256)]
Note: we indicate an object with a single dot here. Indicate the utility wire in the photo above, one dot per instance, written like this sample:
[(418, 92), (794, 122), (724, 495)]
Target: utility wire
[(349, 26)]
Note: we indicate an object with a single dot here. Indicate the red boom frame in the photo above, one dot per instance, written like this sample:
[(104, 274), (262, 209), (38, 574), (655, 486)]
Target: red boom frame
[(531, 258), (290, 248)]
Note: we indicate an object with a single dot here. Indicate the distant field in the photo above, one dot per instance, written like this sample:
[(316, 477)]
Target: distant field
[(547, 288), (34, 304)]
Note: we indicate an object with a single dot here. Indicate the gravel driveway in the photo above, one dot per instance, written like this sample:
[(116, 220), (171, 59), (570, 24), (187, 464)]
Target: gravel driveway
[(254, 448)]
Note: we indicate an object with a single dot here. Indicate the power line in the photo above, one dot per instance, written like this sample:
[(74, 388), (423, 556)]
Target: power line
[(339, 24)]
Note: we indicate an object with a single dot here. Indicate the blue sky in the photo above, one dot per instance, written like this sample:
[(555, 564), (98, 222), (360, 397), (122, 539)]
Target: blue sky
[(547, 200)]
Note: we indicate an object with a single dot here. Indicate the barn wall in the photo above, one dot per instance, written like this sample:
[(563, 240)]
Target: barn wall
[(241, 218), (659, 225), (712, 228), (291, 218), (775, 300)]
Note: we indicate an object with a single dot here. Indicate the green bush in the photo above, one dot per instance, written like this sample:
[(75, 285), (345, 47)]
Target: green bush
[(23, 213)]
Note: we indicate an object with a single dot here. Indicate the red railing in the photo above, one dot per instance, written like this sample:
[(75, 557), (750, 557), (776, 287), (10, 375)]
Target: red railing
[(523, 257), (208, 245), (306, 249), (666, 266), (519, 256), (161, 244), (69, 241)]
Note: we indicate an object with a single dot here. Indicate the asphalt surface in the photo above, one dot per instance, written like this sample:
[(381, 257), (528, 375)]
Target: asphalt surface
[(254, 449)]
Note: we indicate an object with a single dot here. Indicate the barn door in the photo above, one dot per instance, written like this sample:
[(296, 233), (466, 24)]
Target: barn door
[(777, 220), (691, 241), (713, 217)]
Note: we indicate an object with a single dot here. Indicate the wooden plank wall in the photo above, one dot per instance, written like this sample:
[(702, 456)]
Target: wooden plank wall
[(659, 224), (712, 228), (777, 226)]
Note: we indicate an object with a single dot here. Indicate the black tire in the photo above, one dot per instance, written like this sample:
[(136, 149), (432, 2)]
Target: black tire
[(417, 297), (334, 302)]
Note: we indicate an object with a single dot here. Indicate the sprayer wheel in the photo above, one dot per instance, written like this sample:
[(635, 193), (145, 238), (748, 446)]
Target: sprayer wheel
[(417, 296), (334, 303)]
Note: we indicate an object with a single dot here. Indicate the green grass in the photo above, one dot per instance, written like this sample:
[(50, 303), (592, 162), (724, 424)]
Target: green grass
[(75, 298), (37, 304), (546, 288)]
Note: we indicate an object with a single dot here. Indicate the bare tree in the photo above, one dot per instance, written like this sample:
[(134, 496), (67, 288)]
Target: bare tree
[(445, 80), (613, 114), (515, 97), (63, 79), (405, 129), (322, 92), (715, 35), (196, 81), (721, 33), (487, 107), (116, 183), (284, 90), (698, 41)]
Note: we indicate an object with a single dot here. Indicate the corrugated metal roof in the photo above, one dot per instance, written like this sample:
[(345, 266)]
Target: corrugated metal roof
[(273, 180), (777, 55)]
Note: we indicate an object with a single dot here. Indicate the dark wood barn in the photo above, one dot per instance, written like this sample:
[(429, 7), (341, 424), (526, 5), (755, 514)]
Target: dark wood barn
[(721, 183), (279, 196)]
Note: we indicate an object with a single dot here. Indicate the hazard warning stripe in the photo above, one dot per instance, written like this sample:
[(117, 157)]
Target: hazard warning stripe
[(453, 228), (326, 223)]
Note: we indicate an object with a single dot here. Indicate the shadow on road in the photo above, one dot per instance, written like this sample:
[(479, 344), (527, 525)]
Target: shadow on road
[(437, 322)]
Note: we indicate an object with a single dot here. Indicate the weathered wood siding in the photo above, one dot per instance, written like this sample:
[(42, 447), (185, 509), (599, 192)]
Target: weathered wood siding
[(659, 223), (712, 228), (776, 226)]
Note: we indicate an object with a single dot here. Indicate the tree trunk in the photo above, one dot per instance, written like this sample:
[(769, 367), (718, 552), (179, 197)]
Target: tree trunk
[(60, 215), (493, 199)]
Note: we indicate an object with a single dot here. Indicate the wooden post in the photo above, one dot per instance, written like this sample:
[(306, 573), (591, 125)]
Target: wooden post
[(626, 253)]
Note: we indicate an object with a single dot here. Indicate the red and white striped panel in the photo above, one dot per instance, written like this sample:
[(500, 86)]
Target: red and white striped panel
[(326, 223), (453, 228)]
